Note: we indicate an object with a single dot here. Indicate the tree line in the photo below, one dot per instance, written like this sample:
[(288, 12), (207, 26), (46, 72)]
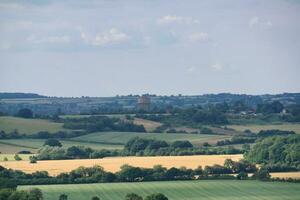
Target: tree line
[(11, 178)]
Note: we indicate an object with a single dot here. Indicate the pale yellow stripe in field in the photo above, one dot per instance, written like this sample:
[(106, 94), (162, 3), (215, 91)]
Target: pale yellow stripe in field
[(294, 175), (113, 164)]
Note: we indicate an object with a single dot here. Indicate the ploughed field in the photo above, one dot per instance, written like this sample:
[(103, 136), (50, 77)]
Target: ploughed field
[(113, 164), (178, 190)]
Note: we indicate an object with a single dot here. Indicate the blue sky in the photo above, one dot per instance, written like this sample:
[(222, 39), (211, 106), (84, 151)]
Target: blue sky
[(109, 47)]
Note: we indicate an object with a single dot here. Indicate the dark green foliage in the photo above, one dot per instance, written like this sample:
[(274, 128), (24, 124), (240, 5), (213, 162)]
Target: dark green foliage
[(205, 130), (236, 140), (102, 123), (17, 157), (269, 108), (276, 150), (33, 159), (63, 197), (95, 198), (148, 147), (133, 196), (242, 176), (11, 194), (25, 113), (52, 143), (241, 166), (217, 169), (181, 144), (157, 196), (268, 133), (262, 175)]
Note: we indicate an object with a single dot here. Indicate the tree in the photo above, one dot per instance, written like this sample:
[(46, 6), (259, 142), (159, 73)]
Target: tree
[(35, 194), (242, 176), (157, 196), (63, 197), (95, 198), (33, 159), (17, 157), (52, 143), (262, 175), (182, 144), (25, 113), (133, 196)]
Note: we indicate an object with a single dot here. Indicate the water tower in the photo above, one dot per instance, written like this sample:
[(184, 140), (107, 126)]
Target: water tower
[(144, 102)]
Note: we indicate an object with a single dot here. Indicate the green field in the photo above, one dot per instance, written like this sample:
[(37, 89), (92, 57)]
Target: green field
[(10, 157), (257, 128), (32, 145), (123, 137), (178, 190), (28, 126)]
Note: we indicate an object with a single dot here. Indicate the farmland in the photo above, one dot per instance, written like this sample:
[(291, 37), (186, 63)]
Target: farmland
[(16, 145), (148, 124), (178, 190), (10, 157), (123, 137), (28, 126), (256, 128), (113, 164)]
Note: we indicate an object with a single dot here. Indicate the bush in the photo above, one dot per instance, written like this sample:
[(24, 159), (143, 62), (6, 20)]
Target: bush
[(33, 159), (25, 113), (133, 196), (157, 196), (17, 157), (52, 143)]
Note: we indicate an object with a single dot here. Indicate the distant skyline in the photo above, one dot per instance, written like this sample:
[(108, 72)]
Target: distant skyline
[(107, 48)]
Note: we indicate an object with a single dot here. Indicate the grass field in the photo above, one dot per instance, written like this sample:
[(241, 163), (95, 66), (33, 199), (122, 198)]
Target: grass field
[(10, 157), (123, 137), (257, 128), (28, 126), (32, 145), (178, 190), (11, 149), (113, 164)]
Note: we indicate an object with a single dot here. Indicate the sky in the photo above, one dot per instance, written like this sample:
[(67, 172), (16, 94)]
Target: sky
[(164, 47)]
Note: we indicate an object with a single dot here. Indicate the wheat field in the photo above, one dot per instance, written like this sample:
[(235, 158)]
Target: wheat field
[(113, 164)]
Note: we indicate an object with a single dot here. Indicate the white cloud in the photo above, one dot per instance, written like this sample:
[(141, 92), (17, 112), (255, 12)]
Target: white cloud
[(113, 36), (201, 37), (217, 67), (168, 19), (258, 22), (49, 39)]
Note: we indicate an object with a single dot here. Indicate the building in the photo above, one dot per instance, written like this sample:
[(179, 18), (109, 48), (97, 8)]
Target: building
[(144, 102)]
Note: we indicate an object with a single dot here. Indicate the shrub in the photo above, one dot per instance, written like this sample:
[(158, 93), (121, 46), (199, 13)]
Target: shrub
[(17, 157)]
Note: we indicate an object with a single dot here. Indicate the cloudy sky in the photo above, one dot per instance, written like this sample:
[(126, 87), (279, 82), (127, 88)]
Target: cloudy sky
[(109, 47)]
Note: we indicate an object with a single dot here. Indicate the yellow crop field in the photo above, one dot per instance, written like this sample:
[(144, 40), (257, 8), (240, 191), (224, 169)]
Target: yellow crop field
[(113, 164), (294, 175)]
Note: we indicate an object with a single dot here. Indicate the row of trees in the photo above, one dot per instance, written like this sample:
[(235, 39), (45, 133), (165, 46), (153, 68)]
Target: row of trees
[(101, 123), (137, 147), (12, 194), (11, 178), (41, 135)]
